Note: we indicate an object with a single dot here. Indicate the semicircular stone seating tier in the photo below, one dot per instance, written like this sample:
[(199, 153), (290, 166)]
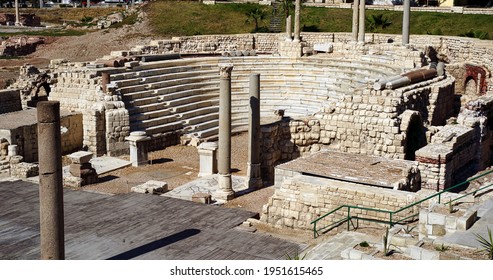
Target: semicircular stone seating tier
[(166, 96)]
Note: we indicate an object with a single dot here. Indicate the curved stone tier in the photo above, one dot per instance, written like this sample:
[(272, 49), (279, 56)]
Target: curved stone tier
[(165, 96)]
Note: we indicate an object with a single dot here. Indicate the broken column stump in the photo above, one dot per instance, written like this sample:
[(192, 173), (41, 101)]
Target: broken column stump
[(81, 170), (208, 158), (138, 142)]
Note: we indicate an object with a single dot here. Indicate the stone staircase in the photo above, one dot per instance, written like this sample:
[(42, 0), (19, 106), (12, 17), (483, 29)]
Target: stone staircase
[(275, 24), (181, 97)]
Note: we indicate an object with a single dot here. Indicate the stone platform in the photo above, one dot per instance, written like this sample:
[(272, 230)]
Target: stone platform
[(360, 169)]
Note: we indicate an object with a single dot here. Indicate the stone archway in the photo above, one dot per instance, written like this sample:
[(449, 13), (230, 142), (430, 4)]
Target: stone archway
[(415, 137), (470, 87)]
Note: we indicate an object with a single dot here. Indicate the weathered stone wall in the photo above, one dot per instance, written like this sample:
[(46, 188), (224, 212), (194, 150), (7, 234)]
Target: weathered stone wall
[(72, 133), (105, 119), (302, 199), (450, 158), (285, 140), (365, 121), (26, 136), (19, 45), (10, 101)]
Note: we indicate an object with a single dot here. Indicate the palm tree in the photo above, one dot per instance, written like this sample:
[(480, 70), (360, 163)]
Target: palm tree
[(375, 22), (255, 14)]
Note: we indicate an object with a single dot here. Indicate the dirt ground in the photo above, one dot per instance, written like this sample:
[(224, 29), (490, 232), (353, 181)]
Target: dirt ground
[(178, 165), (87, 47)]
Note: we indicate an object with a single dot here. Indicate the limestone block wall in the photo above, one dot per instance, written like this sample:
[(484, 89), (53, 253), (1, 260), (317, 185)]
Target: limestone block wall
[(450, 158), (72, 133), (302, 199), (285, 140), (477, 115), (368, 121), (26, 137), (117, 128), (213, 44), (105, 119), (10, 101), (94, 123), (450, 49)]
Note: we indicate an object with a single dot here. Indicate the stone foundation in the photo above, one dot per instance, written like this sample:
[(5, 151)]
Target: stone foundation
[(302, 199)]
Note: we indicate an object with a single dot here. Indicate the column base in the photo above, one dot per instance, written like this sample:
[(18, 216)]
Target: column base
[(254, 178), (225, 191)]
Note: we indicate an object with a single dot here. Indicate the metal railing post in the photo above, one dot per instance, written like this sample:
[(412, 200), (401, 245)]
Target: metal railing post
[(348, 217)]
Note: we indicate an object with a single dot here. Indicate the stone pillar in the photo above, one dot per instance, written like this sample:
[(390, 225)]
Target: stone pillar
[(105, 80), (17, 22), (208, 158), (138, 148), (361, 30), (355, 20), (289, 29), (225, 191), (253, 171), (405, 22), (81, 169), (12, 150), (297, 12), (50, 181)]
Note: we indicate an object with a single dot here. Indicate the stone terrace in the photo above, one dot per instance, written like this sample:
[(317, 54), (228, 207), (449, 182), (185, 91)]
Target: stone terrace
[(362, 169)]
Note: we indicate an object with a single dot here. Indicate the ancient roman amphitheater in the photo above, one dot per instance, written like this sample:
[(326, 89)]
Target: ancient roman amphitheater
[(359, 123)]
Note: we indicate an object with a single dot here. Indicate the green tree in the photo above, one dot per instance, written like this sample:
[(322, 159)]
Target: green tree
[(255, 14), (287, 6), (375, 22)]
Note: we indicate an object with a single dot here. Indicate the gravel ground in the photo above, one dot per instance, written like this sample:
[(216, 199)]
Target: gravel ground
[(178, 165)]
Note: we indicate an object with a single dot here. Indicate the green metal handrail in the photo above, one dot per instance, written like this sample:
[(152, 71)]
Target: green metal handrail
[(392, 214)]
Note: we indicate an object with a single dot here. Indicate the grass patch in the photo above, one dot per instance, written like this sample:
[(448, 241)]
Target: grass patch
[(61, 15), (175, 18), (129, 20), (47, 32), (192, 18)]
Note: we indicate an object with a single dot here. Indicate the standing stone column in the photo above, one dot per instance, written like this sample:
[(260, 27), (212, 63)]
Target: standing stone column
[(361, 31), (289, 29), (105, 80), (17, 22), (253, 171), (225, 191), (405, 22), (297, 12), (50, 181), (355, 20)]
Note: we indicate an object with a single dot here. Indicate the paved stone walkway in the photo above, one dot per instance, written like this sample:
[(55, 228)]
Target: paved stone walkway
[(133, 226)]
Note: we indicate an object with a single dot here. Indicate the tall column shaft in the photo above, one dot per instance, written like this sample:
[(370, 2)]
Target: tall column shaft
[(289, 29), (17, 22), (405, 22), (254, 179), (355, 20), (224, 152), (50, 181), (361, 30), (297, 12)]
